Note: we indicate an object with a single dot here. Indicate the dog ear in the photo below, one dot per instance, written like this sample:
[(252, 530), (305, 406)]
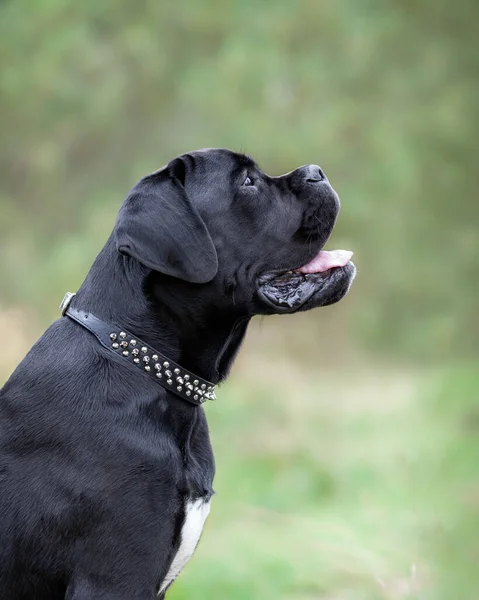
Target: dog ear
[(158, 226)]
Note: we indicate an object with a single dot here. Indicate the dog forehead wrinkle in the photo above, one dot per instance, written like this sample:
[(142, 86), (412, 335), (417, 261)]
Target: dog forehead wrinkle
[(205, 165), (246, 160)]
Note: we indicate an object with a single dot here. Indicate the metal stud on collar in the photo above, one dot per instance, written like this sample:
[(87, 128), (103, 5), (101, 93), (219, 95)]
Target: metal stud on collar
[(176, 378)]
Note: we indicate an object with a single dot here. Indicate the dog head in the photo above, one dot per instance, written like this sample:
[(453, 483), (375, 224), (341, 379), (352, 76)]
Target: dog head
[(212, 223)]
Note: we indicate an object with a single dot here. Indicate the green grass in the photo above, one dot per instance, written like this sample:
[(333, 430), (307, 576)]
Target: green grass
[(348, 488)]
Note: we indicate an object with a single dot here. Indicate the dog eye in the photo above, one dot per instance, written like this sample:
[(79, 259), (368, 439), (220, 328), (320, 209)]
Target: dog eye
[(248, 181)]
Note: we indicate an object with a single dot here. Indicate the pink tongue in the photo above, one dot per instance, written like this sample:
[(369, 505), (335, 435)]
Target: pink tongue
[(325, 260)]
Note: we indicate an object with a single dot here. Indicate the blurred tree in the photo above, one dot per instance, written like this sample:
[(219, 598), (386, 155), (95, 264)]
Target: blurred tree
[(384, 95)]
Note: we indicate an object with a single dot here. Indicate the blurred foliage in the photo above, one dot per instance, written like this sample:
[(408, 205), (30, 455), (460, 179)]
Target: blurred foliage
[(383, 95)]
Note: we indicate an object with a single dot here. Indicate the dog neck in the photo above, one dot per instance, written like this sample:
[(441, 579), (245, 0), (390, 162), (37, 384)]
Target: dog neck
[(164, 313)]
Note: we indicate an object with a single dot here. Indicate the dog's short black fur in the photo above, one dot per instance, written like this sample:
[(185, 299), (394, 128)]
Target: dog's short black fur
[(96, 459)]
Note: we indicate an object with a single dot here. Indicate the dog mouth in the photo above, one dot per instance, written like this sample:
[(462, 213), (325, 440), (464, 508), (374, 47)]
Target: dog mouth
[(323, 280)]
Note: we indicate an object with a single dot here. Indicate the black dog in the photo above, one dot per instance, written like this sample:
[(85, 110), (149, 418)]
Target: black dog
[(106, 467)]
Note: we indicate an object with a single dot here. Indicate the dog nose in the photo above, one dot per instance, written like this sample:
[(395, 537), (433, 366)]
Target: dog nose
[(314, 173)]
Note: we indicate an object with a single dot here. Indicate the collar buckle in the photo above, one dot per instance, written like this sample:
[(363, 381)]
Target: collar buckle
[(65, 303)]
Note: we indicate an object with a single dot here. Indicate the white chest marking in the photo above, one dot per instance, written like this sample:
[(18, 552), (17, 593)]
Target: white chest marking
[(196, 512)]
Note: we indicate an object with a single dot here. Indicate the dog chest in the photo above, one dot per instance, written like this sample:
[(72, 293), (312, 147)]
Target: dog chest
[(196, 512)]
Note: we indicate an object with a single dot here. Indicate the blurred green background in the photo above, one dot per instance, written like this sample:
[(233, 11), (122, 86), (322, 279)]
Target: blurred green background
[(347, 438)]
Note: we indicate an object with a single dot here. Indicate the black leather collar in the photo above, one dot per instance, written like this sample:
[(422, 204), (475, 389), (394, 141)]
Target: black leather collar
[(164, 371)]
